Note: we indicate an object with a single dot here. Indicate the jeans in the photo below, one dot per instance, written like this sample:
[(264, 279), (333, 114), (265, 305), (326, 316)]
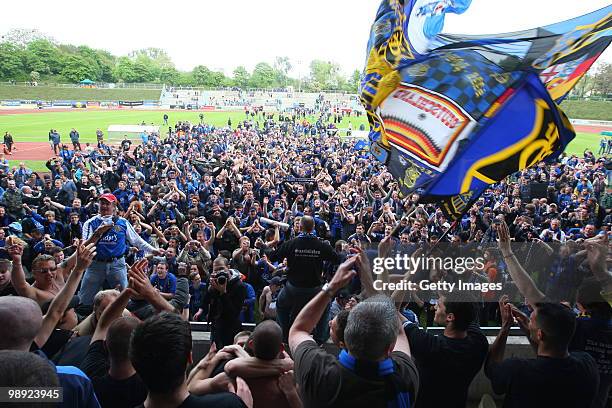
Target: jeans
[(291, 300), (114, 273)]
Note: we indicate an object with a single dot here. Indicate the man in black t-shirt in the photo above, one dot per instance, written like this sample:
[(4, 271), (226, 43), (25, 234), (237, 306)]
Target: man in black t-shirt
[(117, 385), (555, 378), (375, 370), (305, 255), (453, 358), (160, 351)]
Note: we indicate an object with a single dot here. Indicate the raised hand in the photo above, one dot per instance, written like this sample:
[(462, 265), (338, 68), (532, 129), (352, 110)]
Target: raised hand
[(505, 311), (15, 252), (597, 250), (344, 274), (384, 247), (139, 281), (521, 318), (504, 237), (85, 255)]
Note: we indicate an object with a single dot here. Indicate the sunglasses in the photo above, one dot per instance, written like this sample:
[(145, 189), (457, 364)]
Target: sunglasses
[(45, 270)]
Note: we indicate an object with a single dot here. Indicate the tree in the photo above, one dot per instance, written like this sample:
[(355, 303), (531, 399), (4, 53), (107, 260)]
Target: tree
[(602, 80), (146, 70), (44, 57), (205, 77), (125, 70), (76, 68), (354, 82), (263, 76), (169, 75), (185, 79), (241, 77), (158, 56), (282, 66), (34, 76), (324, 75), (21, 37), (90, 57), (10, 61), (201, 75), (106, 62)]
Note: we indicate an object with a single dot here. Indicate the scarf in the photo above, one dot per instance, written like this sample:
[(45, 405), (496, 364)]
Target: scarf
[(374, 370)]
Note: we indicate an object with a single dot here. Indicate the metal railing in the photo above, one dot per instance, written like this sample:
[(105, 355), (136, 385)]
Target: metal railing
[(100, 85), (487, 331)]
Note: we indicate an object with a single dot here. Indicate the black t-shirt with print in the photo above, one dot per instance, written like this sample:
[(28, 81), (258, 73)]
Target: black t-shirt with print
[(569, 382), (443, 360), (324, 382)]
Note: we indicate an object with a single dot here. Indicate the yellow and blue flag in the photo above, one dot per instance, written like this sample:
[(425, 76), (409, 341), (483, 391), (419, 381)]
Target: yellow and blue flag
[(452, 114)]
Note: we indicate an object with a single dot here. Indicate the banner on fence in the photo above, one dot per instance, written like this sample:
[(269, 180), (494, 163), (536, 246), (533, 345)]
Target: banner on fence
[(131, 103)]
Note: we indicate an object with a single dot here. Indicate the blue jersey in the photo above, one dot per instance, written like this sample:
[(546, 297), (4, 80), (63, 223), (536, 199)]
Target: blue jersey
[(113, 244)]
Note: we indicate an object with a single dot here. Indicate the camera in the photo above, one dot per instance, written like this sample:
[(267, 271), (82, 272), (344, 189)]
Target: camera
[(222, 278)]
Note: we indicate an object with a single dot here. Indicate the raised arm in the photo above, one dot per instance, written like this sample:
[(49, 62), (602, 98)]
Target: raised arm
[(68, 265), (307, 319), (138, 242), (597, 250), (93, 237), (140, 283), (211, 241), (365, 275), (232, 226), (17, 275), (498, 348), (521, 278), (59, 206)]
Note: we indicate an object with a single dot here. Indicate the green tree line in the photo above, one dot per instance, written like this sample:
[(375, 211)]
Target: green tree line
[(26, 55)]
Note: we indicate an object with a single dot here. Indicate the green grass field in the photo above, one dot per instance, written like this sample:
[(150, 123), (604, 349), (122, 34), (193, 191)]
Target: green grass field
[(594, 110), (35, 127), (80, 94)]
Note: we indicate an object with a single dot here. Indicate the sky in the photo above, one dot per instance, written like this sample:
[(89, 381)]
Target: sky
[(225, 34)]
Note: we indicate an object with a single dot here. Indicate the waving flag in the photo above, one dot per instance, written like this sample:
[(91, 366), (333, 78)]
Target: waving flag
[(451, 114)]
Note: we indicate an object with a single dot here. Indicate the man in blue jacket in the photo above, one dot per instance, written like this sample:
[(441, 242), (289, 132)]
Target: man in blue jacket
[(114, 235)]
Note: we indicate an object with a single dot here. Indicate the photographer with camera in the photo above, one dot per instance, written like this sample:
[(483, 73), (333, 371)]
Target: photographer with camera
[(223, 297)]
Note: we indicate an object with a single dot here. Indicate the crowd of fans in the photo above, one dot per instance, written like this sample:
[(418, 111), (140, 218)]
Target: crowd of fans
[(275, 221)]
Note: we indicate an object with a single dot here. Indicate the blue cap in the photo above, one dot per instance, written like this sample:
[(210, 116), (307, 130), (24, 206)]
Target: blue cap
[(15, 227)]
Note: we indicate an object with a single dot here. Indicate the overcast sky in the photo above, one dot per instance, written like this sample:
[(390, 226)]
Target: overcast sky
[(225, 34)]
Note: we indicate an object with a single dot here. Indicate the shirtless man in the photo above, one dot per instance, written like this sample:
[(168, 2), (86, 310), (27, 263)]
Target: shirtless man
[(49, 277), (267, 300)]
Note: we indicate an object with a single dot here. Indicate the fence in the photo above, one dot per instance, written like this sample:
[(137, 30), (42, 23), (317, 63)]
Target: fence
[(101, 85)]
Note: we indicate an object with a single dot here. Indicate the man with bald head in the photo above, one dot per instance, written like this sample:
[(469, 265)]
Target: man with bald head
[(305, 256), (21, 319)]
